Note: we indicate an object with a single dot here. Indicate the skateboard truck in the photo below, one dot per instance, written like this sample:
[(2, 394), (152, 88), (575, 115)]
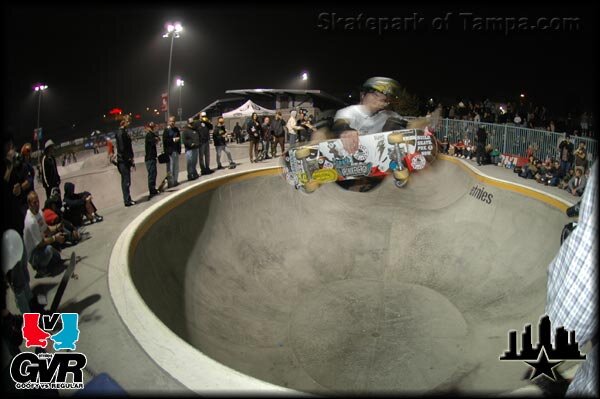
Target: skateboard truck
[(401, 174)]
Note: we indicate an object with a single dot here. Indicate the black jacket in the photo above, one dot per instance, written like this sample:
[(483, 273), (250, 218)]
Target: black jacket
[(256, 133), (50, 177), (124, 147), (219, 136), (569, 147), (481, 137), (277, 127), (150, 144), (74, 204), (190, 138), (203, 128), (169, 145)]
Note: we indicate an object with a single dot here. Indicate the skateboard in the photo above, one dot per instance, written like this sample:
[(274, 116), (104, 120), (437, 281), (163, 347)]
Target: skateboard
[(63, 283), (163, 185), (396, 152)]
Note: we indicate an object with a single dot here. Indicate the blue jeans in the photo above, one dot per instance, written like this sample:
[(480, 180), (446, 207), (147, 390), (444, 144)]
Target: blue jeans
[(173, 168), (191, 157), (204, 154), (292, 139), (151, 168), (125, 171), (223, 148)]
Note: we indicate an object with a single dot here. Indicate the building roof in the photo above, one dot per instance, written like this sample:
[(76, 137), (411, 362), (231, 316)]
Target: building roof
[(320, 99)]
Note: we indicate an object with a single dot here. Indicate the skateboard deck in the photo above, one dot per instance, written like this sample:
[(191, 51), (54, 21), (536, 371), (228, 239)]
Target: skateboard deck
[(163, 185), (63, 284), (396, 152)]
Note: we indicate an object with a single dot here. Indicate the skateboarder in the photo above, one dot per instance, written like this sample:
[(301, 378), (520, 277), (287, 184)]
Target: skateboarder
[(370, 116)]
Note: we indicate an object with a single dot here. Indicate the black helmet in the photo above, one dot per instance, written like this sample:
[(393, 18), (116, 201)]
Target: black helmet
[(387, 86)]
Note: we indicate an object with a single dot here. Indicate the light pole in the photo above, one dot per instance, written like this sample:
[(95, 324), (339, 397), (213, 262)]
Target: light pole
[(305, 79), (39, 88), (180, 84), (173, 32)]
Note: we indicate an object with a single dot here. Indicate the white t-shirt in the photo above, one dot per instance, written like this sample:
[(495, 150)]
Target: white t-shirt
[(291, 125), (33, 232), (359, 118)]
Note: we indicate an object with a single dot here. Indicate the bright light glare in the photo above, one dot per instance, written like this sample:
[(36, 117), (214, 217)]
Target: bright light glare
[(180, 82), (305, 76), (170, 28), (178, 27)]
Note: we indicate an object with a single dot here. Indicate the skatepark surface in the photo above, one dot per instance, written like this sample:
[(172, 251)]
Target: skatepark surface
[(237, 282)]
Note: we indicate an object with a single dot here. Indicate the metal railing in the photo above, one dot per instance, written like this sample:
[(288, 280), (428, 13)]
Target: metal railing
[(514, 140)]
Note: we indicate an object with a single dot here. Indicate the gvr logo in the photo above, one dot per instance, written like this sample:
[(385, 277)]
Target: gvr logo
[(43, 370)]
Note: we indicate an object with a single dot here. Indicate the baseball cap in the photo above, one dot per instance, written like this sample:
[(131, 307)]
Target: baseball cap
[(48, 144)]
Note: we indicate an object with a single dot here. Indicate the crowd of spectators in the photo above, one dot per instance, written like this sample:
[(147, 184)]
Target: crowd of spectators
[(42, 230), (521, 114), (569, 170)]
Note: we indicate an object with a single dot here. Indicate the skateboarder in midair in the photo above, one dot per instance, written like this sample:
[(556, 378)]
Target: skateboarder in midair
[(370, 116)]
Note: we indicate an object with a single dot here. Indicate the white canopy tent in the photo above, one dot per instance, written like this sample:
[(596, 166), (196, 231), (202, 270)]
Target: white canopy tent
[(247, 109)]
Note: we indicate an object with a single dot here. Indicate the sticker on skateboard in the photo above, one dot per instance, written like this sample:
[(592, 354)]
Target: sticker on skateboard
[(397, 152)]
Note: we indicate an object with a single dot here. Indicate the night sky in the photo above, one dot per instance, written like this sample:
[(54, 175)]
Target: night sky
[(94, 58)]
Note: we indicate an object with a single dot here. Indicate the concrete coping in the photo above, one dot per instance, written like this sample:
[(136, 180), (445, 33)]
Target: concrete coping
[(173, 354)]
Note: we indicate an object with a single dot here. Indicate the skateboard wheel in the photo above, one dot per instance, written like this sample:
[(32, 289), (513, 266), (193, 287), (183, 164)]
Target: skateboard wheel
[(396, 138), (400, 183), (302, 152), (311, 186), (401, 174)]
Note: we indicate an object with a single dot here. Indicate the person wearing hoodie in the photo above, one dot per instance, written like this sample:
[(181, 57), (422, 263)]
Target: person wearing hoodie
[(50, 176), (79, 204), (191, 142)]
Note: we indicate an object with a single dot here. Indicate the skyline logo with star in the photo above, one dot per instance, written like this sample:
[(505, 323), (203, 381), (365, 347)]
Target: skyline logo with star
[(544, 357)]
